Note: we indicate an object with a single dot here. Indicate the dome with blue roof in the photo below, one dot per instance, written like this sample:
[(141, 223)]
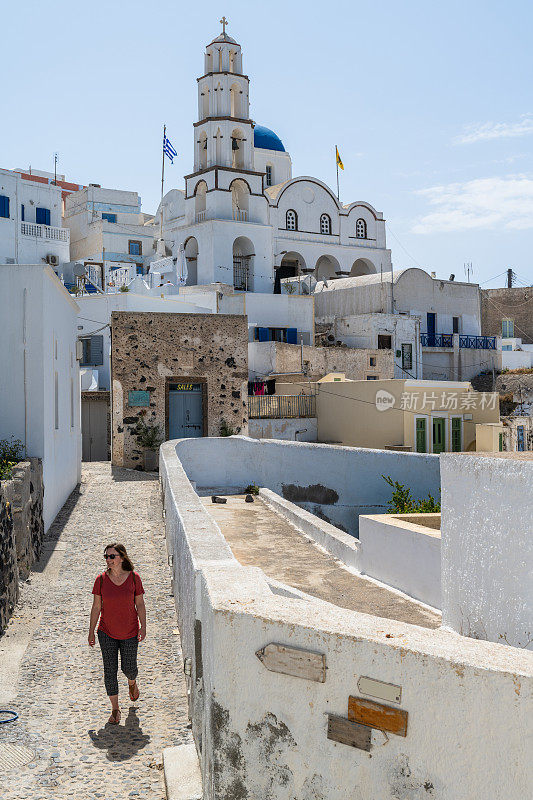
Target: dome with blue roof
[(267, 139)]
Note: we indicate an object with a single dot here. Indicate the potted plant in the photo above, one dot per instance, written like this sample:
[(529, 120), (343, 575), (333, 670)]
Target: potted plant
[(149, 437)]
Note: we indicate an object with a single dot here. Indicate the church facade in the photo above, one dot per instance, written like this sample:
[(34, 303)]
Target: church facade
[(243, 219)]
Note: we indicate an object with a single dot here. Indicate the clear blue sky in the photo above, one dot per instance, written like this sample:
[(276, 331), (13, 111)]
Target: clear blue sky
[(430, 104)]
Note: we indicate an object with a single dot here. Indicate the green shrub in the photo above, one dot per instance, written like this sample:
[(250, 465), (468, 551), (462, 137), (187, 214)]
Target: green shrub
[(225, 429), (252, 488), (148, 436), (402, 501), (11, 452)]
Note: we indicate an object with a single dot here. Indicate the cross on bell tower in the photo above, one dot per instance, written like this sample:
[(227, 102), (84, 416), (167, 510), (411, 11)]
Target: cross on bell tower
[(223, 22)]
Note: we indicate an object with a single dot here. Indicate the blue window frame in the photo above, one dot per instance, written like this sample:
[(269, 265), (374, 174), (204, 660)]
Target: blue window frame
[(4, 206), (109, 217), (135, 248), (22, 212), (42, 216)]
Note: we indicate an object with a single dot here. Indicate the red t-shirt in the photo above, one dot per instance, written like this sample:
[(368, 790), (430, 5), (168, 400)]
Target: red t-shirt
[(118, 617)]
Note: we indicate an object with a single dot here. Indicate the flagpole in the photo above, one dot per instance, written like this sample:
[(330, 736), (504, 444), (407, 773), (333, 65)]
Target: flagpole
[(163, 177), (337, 163)]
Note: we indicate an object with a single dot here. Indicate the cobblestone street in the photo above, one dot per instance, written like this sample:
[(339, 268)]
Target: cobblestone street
[(54, 680)]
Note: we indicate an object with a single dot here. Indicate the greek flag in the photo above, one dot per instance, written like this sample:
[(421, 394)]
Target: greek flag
[(168, 150)]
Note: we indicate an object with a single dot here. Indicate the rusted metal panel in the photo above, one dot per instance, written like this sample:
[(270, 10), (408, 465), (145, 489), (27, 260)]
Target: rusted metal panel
[(293, 661), (353, 734), (383, 691), (377, 715)]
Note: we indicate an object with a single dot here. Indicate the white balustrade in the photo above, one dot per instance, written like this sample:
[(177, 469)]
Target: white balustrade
[(240, 215), (45, 232), (200, 216)]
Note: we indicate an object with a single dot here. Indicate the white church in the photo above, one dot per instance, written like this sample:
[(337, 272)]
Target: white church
[(243, 219)]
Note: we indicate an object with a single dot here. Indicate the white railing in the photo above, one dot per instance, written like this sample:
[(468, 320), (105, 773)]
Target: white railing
[(45, 232), (200, 216), (240, 215), (162, 264)]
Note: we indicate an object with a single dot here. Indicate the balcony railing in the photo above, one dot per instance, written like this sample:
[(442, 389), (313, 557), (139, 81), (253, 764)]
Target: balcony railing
[(277, 406), (239, 215), (478, 342), (446, 340), (436, 339), (45, 232), (200, 216)]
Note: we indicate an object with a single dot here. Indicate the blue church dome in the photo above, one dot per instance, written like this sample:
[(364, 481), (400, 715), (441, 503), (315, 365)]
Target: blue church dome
[(267, 139)]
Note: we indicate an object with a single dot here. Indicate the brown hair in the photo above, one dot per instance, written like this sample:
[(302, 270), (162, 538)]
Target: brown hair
[(121, 550)]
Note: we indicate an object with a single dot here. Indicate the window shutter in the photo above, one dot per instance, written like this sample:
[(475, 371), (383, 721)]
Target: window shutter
[(292, 335), (97, 350), (4, 206), (42, 216), (262, 334), (456, 435), (421, 436)]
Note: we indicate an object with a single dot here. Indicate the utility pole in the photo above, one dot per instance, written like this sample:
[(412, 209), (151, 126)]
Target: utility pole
[(510, 278)]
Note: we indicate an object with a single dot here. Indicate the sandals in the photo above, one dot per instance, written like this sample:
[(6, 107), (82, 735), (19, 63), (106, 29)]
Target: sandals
[(134, 691), (114, 719)]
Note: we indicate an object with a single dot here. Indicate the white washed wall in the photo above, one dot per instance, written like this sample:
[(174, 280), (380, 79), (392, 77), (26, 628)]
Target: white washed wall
[(487, 547)]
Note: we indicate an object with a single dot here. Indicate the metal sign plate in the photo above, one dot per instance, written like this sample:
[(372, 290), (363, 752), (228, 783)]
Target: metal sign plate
[(376, 715), (383, 691), (138, 398)]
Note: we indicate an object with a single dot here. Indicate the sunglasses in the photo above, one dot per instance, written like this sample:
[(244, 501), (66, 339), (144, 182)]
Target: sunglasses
[(110, 555)]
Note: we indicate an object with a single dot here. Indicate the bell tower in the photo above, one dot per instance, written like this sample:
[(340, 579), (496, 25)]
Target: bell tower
[(223, 133)]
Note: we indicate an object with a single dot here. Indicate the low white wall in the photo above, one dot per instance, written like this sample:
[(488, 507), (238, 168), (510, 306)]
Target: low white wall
[(284, 429), (403, 555), (263, 734), (339, 483), (487, 547)]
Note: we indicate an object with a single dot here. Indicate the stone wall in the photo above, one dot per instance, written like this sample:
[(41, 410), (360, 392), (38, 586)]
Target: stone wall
[(280, 358), (515, 303), (150, 351), (21, 530)]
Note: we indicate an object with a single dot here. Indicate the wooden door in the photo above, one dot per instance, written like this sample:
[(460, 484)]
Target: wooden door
[(94, 430)]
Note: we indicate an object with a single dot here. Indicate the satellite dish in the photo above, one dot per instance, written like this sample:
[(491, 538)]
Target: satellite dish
[(79, 270)]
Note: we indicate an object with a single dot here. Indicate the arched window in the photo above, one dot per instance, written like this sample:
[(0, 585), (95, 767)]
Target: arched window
[(325, 224), (360, 229), (291, 219)]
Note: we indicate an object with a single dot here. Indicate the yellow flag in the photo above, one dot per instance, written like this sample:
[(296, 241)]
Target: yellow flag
[(339, 160)]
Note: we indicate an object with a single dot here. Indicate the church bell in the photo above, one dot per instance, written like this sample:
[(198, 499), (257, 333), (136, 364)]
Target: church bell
[(234, 144)]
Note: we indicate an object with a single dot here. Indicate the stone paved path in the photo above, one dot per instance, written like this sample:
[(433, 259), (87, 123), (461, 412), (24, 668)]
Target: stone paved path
[(58, 689)]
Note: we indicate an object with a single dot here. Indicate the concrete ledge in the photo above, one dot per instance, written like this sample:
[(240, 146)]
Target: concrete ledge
[(183, 780), (339, 544)]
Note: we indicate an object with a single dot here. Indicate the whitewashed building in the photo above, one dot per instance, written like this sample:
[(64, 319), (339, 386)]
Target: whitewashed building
[(108, 225), (39, 390), (243, 219), (448, 312), (31, 230)]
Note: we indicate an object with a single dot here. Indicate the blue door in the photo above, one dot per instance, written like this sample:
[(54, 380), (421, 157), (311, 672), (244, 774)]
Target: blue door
[(185, 411), (431, 329), (520, 439)]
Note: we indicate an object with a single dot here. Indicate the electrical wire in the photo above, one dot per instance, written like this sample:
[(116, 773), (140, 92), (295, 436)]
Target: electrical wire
[(388, 227)]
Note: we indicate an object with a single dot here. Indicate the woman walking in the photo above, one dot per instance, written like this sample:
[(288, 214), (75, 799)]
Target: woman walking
[(118, 601)]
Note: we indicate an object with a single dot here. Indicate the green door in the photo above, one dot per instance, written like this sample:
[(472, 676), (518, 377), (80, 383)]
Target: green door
[(439, 434), (421, 446), (456, 435)]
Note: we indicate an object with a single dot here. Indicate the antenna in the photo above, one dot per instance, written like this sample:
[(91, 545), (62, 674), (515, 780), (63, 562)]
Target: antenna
[(56, 159), (468, 269)]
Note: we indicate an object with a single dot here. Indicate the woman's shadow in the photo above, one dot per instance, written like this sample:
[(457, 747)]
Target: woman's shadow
[(121, 741)]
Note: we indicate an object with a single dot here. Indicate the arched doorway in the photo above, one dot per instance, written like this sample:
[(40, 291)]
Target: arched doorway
[(326, 268), (292, 264), (362, 267), (240, 193), (191, 256), (243, 258)]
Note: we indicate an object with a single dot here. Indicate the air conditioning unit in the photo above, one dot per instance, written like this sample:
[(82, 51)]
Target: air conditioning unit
[(52, 259)]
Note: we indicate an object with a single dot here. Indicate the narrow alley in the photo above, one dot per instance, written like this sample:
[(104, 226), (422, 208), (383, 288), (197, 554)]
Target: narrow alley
[(61, 746)]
